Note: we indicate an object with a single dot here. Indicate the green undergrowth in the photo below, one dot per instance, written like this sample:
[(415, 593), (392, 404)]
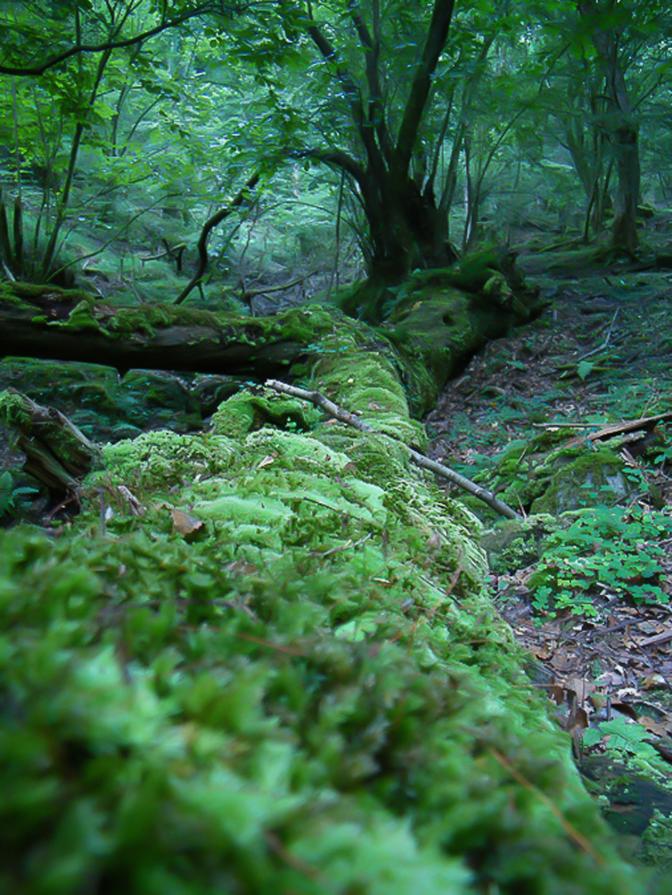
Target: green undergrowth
[(108, 406), (590, 538), (608, 550), (263, 659)]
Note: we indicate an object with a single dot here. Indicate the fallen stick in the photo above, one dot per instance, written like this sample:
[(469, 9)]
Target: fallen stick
[(665, 637), (351, 419), (643, 423), (604, 344)]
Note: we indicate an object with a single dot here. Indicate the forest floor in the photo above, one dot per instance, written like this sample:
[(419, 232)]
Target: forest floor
[(600, 354)]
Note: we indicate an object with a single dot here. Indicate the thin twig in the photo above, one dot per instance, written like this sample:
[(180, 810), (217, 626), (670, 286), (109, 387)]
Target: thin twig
[(606, 342), (351, 419)]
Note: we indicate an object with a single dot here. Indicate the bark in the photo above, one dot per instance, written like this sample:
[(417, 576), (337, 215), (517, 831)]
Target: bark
[(407, 228), (624, 133), (52, 326), (57, 454)]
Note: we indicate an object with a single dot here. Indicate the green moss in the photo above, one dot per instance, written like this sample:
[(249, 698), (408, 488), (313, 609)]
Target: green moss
[(305, 685), (544, 475), (164, 459), (251, 409), (657, 845), (516, 544), (317, 667), (583, 480), (13, 411), (435, 324), (366, 383)]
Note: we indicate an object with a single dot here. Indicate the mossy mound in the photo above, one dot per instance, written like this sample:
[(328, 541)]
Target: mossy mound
[(551, 474), (263, 660), (490, 274), (516, 543)]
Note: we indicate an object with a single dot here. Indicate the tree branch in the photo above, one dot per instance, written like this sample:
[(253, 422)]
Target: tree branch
[(337, 159), (353, 93), (371, 56), (106, 46), (422, 81), (209, 225), (351, 419)]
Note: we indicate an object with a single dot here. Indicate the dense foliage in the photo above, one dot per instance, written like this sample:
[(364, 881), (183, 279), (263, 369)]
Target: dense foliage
[(385, 131)]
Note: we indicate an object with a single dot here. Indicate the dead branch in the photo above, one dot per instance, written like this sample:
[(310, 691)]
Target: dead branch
[(351, 419)]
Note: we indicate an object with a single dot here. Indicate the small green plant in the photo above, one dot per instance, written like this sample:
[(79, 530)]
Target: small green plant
[(664, 455), (12, 498), (629, 742), (609, 550)]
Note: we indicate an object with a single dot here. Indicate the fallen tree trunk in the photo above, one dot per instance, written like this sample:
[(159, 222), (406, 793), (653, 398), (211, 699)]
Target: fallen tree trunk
[(435, 331), (44, 322)]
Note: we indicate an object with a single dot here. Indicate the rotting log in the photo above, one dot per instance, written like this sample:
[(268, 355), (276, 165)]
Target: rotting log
[(433, 332), (57, 453), (44, 322)]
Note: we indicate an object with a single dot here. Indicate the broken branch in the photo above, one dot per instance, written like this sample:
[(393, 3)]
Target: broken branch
[(351, 419)]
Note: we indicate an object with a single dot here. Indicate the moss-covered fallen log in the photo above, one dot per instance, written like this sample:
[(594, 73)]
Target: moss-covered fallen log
[(286, 675), (57, 454), (434, 328), (46, 322)]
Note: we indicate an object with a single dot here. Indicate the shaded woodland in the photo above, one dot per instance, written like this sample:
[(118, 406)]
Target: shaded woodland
[(336, 447)]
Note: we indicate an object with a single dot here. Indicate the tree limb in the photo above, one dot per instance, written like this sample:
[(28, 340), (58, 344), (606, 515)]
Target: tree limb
[(353, 93), (371, 55), (338, 159), (209, 225), (105, 46), (437, 36)]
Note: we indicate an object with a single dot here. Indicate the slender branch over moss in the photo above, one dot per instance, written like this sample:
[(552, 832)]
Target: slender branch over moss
[(351, 419)]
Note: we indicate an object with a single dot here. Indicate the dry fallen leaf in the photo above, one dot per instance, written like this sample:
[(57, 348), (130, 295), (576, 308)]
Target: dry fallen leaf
[(652, 682), (270, 458), (660, 728), (185, 524)]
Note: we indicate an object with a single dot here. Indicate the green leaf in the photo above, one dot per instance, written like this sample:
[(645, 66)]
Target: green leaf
[(6, 493), (584, 369)]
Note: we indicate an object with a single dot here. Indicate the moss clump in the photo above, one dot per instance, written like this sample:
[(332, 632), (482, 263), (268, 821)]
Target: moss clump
[(309, 684), (312, 687), (516, 544), (436, 324), (582, 481), (13, 411), (366, 383), (545, 475), (31, 295), (163, 459), (253, 408)]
